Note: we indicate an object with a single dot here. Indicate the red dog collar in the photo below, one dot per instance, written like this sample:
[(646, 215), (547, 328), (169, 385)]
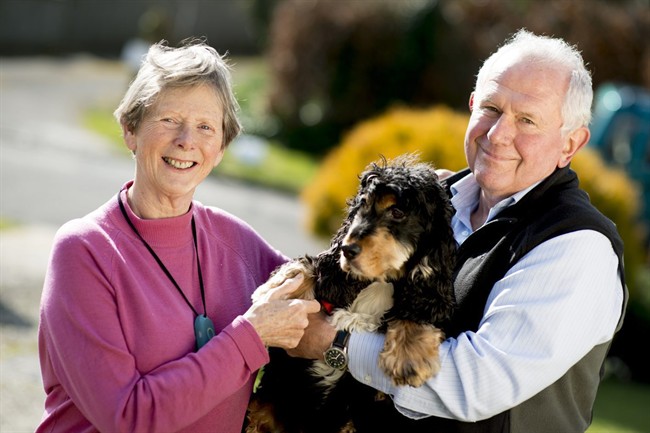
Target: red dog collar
[(327, 306)]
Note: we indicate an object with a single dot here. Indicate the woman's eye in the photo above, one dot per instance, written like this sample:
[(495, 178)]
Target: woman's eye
[(168, 121)]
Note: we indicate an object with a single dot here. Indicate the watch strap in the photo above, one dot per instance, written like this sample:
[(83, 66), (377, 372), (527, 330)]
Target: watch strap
[(341, 339)]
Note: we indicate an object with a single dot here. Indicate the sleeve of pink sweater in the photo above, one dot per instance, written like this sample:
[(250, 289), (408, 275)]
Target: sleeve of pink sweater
[(86, 355)]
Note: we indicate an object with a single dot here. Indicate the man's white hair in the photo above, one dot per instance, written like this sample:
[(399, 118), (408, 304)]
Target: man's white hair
[(576, 109)]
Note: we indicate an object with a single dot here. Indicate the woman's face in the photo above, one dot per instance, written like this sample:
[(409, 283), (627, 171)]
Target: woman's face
[(177, 144)]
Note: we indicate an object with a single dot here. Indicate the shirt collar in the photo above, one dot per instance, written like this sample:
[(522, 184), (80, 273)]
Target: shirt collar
[(465, 196)]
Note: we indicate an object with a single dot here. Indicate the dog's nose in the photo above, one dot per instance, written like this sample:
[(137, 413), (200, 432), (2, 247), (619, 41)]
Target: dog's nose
[(351, 251)]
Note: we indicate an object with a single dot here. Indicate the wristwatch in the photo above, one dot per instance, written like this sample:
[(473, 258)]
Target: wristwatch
[(337, 354)]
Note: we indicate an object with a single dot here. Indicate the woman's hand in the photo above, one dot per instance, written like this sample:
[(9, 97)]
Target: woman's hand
[(278, 320)]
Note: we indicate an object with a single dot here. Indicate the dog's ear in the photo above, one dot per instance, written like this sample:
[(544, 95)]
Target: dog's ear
[(440, 211), (436, 266)]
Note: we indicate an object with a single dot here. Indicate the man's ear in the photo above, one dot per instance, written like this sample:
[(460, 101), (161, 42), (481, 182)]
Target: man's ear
[(129, 137), (573, 142), (471, 102)]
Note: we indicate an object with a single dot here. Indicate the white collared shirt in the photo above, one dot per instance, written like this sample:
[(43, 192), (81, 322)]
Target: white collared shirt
[(559, 301), (465, 196)]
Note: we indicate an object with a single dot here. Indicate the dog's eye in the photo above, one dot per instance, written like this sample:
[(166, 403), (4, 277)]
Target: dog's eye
[(397, 213)]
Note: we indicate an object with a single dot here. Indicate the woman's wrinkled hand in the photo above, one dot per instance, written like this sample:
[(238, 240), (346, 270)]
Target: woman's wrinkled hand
[(279, 320)]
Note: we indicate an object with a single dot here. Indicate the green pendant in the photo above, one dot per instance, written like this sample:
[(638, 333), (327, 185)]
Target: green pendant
[(203, 330)]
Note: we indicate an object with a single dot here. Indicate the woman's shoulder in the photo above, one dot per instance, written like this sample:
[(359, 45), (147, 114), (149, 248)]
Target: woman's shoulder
[(88, 229), (218, 220), (232, 232)]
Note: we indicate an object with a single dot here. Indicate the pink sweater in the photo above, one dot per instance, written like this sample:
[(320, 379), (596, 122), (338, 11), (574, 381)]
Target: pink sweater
[(116, 339)]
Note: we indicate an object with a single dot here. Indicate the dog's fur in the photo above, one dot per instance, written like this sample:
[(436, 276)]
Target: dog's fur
[(388, 268)]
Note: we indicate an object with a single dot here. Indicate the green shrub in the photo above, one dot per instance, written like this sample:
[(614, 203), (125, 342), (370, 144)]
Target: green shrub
[(438, 135)]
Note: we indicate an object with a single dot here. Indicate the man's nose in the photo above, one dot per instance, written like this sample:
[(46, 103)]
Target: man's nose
[(502, 132)]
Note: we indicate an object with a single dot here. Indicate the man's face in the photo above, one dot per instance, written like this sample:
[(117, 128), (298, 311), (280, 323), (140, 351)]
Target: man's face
[(514, 136)]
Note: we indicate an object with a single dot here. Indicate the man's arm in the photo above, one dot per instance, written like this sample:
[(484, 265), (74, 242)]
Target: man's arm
[(562, 299)]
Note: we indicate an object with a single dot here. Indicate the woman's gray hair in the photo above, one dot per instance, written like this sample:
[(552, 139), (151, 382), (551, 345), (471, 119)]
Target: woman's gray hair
[(576, 109), (191, 64)]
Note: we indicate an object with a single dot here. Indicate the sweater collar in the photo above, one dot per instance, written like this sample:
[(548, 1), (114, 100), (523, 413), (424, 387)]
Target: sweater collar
[(163, 232)]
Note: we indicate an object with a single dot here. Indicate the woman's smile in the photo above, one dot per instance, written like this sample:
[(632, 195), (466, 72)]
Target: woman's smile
[(178, 164)]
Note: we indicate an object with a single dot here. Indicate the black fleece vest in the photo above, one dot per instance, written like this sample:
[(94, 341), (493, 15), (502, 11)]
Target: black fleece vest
[(554, 207)]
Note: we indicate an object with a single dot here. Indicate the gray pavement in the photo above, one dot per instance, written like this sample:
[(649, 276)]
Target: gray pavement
[(52, 170)]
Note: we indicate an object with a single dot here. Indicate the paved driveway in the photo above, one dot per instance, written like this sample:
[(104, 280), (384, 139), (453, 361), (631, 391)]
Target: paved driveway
[(52, 170)]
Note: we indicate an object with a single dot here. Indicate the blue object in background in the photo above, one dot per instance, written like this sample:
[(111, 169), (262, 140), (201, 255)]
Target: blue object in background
[(620, 130)]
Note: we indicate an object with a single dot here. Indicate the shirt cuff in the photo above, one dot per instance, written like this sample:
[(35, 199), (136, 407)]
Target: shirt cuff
[(363, 353)]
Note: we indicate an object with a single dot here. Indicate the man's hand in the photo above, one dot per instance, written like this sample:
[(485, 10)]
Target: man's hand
[(443, 173), (317, 338)]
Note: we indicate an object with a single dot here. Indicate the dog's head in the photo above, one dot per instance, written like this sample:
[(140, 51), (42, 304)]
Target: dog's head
[(398, 223)]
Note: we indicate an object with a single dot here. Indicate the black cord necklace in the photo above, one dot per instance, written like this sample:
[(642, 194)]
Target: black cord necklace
[(203, 326)]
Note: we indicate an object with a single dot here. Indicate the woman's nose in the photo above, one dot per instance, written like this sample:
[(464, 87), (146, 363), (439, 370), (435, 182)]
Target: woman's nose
[(185, 137)]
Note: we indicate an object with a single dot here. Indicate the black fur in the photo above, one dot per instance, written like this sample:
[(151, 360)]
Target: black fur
[(404, 199)]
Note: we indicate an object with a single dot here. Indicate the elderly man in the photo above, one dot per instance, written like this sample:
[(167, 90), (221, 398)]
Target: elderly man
[(539, 279)]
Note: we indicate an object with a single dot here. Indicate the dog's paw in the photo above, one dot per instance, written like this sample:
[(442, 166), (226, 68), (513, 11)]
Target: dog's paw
[(410, 355)]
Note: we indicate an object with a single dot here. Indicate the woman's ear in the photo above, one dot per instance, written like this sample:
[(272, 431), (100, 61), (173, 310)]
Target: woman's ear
[(129, 137), (574, 141)]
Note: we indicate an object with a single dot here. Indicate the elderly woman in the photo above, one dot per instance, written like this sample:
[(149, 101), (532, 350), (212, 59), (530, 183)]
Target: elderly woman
[(146, 318)]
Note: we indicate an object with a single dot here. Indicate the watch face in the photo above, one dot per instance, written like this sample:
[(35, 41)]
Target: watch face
[(336, 358)]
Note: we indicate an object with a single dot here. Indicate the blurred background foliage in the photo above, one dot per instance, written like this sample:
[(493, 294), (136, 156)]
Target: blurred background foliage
[(332, 66)]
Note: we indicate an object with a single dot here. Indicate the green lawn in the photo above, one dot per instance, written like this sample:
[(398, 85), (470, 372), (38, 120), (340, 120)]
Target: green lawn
[(622, 408)]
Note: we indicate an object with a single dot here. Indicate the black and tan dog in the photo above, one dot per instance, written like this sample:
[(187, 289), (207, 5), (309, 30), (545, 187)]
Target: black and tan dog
[(388, 268)]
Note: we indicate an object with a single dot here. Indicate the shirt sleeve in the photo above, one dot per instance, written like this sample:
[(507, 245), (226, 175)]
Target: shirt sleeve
[(558, 302)]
